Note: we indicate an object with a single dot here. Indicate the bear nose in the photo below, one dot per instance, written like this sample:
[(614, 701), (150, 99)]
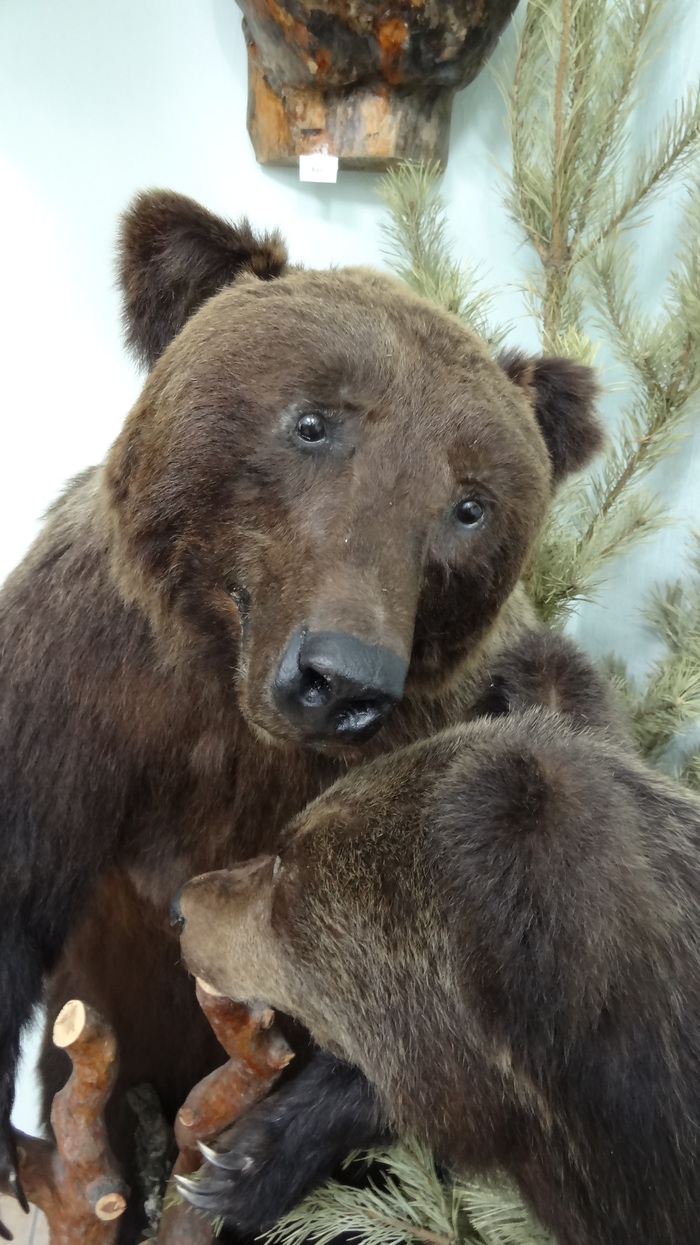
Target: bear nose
[(333, 685)]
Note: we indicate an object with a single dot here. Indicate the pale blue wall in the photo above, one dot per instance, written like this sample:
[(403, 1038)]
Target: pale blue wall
[(99, 98)]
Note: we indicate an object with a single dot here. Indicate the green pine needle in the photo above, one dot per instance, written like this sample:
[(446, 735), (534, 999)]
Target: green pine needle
[(410, 1204), (668, 703), (417, 248)]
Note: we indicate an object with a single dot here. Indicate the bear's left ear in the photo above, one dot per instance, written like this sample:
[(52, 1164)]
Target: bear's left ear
[(173, 255), (563, 394)]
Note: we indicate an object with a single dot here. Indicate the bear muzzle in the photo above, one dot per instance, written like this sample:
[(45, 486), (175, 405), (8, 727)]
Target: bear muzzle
[(223, 919), (333, 686)]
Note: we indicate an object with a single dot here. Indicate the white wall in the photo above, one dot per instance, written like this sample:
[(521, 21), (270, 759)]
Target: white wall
[(99, 98)]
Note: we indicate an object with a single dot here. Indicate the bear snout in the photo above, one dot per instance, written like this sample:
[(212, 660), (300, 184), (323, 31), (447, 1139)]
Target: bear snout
[(224, 926), (210, 890), (333, 685), (211, 898)]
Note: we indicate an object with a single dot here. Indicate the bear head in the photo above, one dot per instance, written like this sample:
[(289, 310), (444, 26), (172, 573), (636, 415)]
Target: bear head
[(327, 488), (461, 917)]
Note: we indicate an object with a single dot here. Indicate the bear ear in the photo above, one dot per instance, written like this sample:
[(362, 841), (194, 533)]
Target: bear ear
[(563, 394), (173, 255)]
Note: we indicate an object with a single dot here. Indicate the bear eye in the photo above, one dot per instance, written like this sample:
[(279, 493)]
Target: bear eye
[(311, 427), (469, 512)]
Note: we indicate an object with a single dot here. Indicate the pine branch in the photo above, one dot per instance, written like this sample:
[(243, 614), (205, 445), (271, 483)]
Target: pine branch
[(664, 358), (559, 240), (573, 554), (418, 250), (407, 1202), (498, 1215), (616, 112), (689, 772), (668, 702), (674, 148)]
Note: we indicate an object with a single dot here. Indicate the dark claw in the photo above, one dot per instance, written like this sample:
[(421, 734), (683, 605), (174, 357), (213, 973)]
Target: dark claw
[(195, 1195), (186, 1186), (284, 1146), (226, 1161), (207, 1152)]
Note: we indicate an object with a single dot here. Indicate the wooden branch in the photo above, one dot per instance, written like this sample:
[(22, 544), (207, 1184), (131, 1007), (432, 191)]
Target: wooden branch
[(257, 1054), (75, 1181)]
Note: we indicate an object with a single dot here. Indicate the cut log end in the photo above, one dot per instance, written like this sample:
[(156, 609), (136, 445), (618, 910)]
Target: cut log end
[(110, 1206), (69, 1023)]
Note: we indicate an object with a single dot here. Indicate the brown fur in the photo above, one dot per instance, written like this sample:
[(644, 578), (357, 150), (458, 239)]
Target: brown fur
[(173, 255), (499, 927), (139, 742)]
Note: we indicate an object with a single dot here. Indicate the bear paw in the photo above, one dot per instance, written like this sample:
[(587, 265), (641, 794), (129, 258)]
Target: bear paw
[(285, 1146)]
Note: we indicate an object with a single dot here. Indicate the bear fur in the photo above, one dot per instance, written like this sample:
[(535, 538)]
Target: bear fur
[(142, 637), (500, 927)]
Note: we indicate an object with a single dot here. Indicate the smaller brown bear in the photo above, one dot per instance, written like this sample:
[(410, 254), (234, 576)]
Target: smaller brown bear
[(501, 928)]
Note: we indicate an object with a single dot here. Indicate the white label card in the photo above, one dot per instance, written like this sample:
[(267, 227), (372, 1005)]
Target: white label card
[(318, 167)]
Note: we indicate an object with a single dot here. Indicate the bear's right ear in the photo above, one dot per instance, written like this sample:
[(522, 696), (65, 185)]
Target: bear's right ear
[(173, 256)]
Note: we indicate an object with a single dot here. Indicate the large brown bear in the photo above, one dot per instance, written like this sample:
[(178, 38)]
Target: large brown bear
[(501, 928), (302, 550)]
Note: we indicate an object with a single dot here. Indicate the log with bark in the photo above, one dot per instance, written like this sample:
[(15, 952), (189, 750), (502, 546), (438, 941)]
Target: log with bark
[(75, 1181), (257, 1054), (370, 83)]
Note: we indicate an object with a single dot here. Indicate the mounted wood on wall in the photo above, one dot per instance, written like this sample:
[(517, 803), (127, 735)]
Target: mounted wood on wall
[(371, 83)]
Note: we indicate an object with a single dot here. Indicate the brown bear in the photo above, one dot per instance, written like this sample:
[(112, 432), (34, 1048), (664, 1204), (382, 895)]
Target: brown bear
[(303, 550), (500, 927)]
